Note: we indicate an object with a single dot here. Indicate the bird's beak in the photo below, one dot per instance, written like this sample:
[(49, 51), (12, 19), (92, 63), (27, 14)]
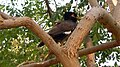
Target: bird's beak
[(73, 15), (78, 18)]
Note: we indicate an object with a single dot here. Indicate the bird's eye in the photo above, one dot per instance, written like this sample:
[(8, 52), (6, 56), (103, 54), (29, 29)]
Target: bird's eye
[(72, 15)]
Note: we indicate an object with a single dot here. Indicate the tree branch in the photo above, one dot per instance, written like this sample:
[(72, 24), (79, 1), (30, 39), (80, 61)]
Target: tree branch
[(83, 52), (93, 3), (113, 25), (116, 12), (55, 4), (90, 57), (82, 29), (98, 48), (43, 64), (49, 10), (85, 26), (5, 16)]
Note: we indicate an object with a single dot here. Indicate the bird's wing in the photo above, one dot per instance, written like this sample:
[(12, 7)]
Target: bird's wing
[(67, 26), (62, 27), (57, 32)]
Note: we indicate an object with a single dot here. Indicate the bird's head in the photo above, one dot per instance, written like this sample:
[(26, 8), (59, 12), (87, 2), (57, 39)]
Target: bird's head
[(70, 16)]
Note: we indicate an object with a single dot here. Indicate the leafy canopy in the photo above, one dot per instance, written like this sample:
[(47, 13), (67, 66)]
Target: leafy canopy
[(20, 44)]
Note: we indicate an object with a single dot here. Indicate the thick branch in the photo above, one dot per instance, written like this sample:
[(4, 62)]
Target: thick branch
[(85, 26), (90, 57), (80, 32), (5, 16), (110, 23), (93, 3), (107, 20), (116, 16), (10, 23)]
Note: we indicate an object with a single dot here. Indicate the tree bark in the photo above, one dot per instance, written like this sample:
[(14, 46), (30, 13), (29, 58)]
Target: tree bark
[(90, 57), (116, 16), (82, 52)]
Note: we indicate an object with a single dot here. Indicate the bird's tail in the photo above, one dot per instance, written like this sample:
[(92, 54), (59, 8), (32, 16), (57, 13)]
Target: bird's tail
[(41, 44)]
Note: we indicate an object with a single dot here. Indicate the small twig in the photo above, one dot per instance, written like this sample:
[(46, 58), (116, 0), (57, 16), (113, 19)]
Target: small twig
[(42, 64), (49, 10), (55, 4), (98, 48)]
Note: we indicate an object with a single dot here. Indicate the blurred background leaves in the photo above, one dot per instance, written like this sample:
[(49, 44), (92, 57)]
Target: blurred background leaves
[(20, 44)]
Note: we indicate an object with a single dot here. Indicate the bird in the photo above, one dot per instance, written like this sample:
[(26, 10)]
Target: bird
[(58, 31)]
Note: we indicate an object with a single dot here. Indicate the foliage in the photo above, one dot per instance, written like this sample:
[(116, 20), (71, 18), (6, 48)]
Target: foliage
[(20, 44)]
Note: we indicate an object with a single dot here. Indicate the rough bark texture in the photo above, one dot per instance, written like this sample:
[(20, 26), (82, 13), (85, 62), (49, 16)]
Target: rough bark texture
[(90, 57), (93, 3)]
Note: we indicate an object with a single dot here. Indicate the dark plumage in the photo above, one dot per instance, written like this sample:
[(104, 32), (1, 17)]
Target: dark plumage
[(70, 16), (58, 31)]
